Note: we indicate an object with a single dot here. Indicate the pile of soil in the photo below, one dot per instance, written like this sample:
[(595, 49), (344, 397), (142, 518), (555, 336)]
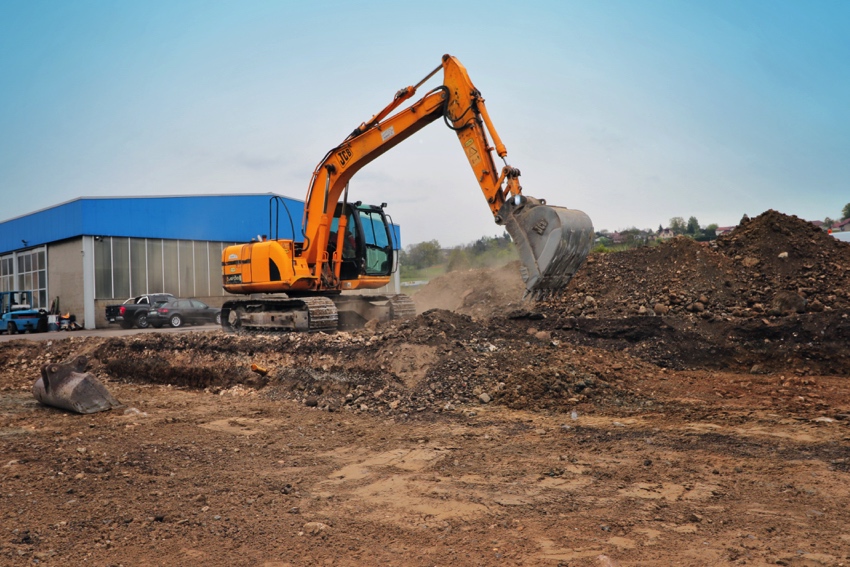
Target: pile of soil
[(774, 264), (771, 295)]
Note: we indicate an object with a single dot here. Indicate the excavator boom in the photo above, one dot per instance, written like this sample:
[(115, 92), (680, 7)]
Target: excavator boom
[(552, 241)]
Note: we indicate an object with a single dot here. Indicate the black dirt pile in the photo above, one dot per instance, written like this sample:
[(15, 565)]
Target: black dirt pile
[(787, 264), (774, 264), (804, 344), (442, 360), (462, 361), (677, 277)]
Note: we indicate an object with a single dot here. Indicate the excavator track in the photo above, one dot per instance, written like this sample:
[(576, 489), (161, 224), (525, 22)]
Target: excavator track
[(322, 314), (313, 314), (273, 315), (401, 307)]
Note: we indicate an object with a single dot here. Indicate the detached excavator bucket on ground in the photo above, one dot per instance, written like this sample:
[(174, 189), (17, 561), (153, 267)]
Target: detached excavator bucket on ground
[(68, 386), (552, 243)]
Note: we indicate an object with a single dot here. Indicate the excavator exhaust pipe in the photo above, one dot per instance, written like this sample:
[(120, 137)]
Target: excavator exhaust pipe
[(68, 386), (552, 242)]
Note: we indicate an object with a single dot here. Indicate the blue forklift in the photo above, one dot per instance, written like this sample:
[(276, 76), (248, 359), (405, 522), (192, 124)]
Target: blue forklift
[(17, 314)]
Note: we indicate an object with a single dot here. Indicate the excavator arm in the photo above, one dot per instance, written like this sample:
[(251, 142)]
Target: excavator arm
[(552, 241)]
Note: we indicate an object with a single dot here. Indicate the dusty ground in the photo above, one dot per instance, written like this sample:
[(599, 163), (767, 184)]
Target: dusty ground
[(680, 405)]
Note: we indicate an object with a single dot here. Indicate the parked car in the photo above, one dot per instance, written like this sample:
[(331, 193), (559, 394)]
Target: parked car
[(179, 312), (134, 311)]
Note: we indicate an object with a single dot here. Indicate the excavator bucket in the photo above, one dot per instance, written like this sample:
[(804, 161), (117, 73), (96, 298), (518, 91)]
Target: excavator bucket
[(552, 243), (66, 385)]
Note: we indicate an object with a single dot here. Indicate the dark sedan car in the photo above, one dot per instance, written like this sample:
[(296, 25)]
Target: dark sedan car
[(179, 312)]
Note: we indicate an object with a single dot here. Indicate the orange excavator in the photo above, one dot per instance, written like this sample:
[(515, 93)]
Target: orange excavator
[(349, 246)]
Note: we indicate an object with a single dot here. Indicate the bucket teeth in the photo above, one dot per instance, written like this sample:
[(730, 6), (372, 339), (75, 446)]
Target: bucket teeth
[(552, 242)]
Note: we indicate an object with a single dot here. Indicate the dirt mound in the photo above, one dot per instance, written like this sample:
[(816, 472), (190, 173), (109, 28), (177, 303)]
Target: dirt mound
[(436, 361), (777, 256), (718, 307), (675, 277), (774, 264)]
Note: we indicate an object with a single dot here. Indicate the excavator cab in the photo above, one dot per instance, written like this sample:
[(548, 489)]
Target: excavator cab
[(367, 244)]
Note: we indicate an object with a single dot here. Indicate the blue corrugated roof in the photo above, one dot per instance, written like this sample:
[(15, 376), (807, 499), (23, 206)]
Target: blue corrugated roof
[(227, 218)]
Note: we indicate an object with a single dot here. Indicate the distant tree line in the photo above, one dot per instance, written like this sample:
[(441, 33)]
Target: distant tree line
[(486, 251), (693, 229)]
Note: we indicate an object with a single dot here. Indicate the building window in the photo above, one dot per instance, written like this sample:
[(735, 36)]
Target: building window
[(103, 267), (127, 267), (170, 267), (7, 273), (214, 268), (26, 271), (138, 267), (187, 268), (202, 271), (121, 268), (155, 279)]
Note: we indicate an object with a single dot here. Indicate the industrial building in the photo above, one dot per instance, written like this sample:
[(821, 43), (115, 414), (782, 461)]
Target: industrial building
[(93, 251)]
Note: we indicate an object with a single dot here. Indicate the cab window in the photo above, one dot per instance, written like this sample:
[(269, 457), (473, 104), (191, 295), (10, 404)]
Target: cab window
[(378, 249)]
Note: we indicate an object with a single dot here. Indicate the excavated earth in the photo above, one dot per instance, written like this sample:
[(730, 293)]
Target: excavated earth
[(682, 404)]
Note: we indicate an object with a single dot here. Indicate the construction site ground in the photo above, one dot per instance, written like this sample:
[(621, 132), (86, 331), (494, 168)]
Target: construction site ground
[(681, 404)]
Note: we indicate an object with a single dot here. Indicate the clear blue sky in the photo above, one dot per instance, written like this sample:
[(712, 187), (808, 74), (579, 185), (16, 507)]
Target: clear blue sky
[(633, 111)]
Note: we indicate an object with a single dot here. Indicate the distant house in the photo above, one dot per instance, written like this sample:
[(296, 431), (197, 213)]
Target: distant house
[(665, 234), (819, 224), (723, 230), (843, 226)]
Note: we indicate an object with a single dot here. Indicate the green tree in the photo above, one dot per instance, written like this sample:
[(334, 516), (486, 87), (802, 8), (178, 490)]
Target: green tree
[(693, 226), (711, 231), (677, 225), (422, 255), (845, 212), (828, 222)]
